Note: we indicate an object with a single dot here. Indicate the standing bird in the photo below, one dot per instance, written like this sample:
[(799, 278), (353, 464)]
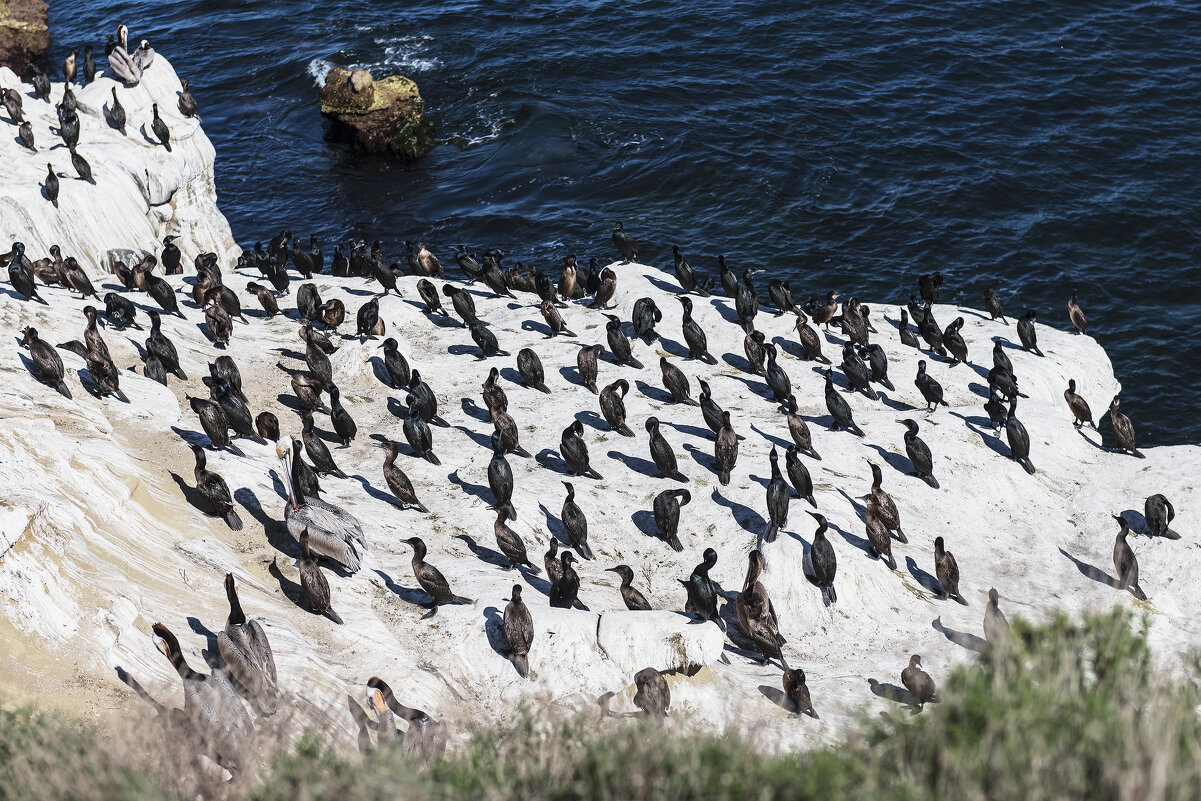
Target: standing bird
[(160, 128), (344, 424), (625, 244), (667, 515), (51, 184), (606, 291), (510, 544), (781, 296), (710, 411), (810, 341), (661, 453), (518, 627), (918, 682), (907, 336), (613, 407), (685, 274), (694, 335), (486, 340), (82, 168), (395, 365), (554, 320), (993, 305), (1159, 514), (953, 341), (877, 359), (756, 615), (1123, 429), (1078, 406), (946, 569), (746, 299), (702, 592), (267, 424), (839, 409), (855, 369), (777, 379), (886, 507), (575, 451), (675, 382), (632, 598), (1027, 333), (333, 532), (825, 563), (247, 653), (431, 579), (565, 592), (313, 583), (929, 387), (778, 497), (214, 489), (619, 343), (529, 366), (187, 103), (576, 523), (798, 474), (21, 276), (586, 364), (752, 346), (725, 449), (48, 365), (879, 542), (116, 113), (70, 66), (644, 317), (160, 346), (550, 560), (500, 477), (1019, 439), (996, 627), (1125, 562), (919, 454), (25, 134), (797, 692), (323, 460), (1079, 321), (928, 286), (211, 705), (653, 695), (399, 483)]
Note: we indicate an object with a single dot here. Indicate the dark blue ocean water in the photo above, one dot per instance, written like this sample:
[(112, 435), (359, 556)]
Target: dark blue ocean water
[(1030, 146)]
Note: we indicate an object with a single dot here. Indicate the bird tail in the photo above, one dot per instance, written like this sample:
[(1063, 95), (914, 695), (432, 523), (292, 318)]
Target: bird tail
[(932, 481), (856, 430), (678, 476), (579, 605), (585, 550), (625, 431), (892, 563), (120, 395), (637, 365), (724, 477), (431, 458), (721, 624), (332, 615), (543, 388), (1138, 592), (1026, 463), (674, 542), (233, 521), (177, 311), (522, 452), (961, 599), (459, 599), (831, 596), (888, 384), (180, 374), (337, 471), (594, 475), (522, 663), (707, 358), (770, 536), (811, 500), (901, 536), (1136, 452), (62, 390), (235, 449)]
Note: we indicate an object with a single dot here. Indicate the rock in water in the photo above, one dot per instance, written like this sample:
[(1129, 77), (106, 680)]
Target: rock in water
[(385, 117)]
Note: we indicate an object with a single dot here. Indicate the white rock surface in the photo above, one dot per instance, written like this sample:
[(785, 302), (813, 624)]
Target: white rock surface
[(142, 192), (104, 542)]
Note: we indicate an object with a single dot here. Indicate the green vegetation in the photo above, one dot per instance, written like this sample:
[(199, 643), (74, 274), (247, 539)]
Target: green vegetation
[(1061, 711)]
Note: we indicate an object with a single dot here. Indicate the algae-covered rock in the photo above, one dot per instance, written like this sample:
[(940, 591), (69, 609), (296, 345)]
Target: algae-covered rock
[(23, 32), (385, 117)]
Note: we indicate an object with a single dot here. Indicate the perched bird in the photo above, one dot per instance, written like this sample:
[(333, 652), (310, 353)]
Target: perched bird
[(996, 627), (1125, 562), (247, 654), (48, 365), (653, 695), (919, 454), (667, 515), (1123, 429), (632, 598), (1159, 514), (586, 361), (518, 627), (929, 387), (694, 335), (676, 382), (839, 409), (576, 523), (993, 305), (564, 592), (25, 134), (625, 244), (797, 692), (946, 570), (116, 113), (825, 563), (702, 592), (214, 490), (51, 185), (187, 103), (757, 616), (661, 453), (70, 66), (1078, 406), (431, 579), (725, 451), (1079, 321), (1019, 439), (778, 497), (1027, 333), (918, 682), (159, 128), (313, 582)]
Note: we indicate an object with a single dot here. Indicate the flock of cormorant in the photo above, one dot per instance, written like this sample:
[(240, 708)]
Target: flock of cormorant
[(328, 534)]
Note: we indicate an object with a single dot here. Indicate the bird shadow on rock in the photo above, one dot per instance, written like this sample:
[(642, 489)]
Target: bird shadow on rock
[(891, 692), (860, 509), (193, 496), (665, 286), (512, 376), (923, 578), (980, 390), (288, 353), (895, 460), (961, 638), (480, 439), (776, 696), (193, 437), (476, 490), (537, 327), (979, 370), (692, 431), (551, 460), (777, 442), (674, 348), (555, 526), (482, 553), (993, 442), (643, 466), (896, 406), (278, 536), (726, 310), (291, 590), (700, 457), (851, 539), (644, 521), (466, 350), (471, 409), (745, 516), (1094, 573), (210, 654), (737, 362), (1097, 443), (133, 684), (791, 347), (413, 595), (654, 393), (758, 387), (494, 630), (380, 371), (593, 420), (379, 495), (1137, 522), (763, 481), (292, 403)]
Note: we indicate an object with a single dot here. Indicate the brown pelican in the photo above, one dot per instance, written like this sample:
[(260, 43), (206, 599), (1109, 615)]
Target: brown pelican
[(425, 737), (333, 532), (210, 703), (244, 647)]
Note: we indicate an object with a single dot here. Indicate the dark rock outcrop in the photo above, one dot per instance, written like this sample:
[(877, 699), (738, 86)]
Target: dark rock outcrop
[(23, 32), (385, 117)]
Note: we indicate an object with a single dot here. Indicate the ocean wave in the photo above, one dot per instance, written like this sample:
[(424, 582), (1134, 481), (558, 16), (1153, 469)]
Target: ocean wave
[(405, 55)]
